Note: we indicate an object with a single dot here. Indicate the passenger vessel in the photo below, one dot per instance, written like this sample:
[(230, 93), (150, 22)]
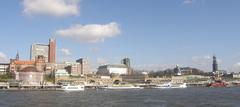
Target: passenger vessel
[(73, 87), (170, 85)]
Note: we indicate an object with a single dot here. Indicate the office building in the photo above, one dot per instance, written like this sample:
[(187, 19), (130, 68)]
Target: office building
[(126, 61), (39, 49), (85, 66), (48, 51), (117, 69), (78, 68)]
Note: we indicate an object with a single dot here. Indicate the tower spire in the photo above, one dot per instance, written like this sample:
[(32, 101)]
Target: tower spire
[(215, 64), (17, 56)]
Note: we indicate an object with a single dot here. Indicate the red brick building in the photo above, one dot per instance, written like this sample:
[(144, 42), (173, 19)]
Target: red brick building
[(52, 51)]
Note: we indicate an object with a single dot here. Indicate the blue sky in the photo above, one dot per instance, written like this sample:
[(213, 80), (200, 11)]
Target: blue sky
[(155, 34)]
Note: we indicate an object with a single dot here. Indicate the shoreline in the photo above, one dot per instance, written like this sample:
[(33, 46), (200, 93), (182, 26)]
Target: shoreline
[(97, 88)]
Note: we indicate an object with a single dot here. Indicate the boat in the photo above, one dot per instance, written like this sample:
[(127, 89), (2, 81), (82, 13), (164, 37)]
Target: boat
[(122, 87), (170, 85), (73, 87), (217, 83)]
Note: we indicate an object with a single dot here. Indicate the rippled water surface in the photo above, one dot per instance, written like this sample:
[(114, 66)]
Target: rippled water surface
[(190, 97)]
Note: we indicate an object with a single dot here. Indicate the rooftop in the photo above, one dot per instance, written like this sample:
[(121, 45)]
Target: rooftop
[(24, 62)]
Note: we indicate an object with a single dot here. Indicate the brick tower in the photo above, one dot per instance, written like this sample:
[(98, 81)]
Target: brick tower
[(52, 51)]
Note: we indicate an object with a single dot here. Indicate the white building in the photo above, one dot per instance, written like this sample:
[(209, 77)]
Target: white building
[(39, 49), (4, 68), (236, 75), (118, 69), (61, 73)]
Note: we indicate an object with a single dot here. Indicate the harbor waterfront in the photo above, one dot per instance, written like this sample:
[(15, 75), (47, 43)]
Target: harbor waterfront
[(43, 72), (120, 53), (190, 97)]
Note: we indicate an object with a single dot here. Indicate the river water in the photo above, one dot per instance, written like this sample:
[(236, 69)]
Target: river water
[(190, 97)]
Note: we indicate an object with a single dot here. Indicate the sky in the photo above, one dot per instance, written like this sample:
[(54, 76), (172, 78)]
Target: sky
[(154, 34)]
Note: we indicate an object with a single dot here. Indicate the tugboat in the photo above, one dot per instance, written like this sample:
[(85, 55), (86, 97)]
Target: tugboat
[(217, 84), (217, 81), (216, 77)]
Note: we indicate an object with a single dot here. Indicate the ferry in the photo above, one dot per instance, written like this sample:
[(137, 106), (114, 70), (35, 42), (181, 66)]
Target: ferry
[(170, 85), (73, 87), (122, 87)]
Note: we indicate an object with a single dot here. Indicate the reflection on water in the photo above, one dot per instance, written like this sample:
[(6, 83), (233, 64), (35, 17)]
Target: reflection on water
[(190, 97)]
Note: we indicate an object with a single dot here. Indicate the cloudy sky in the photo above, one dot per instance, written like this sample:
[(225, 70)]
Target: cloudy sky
[(155, 34)]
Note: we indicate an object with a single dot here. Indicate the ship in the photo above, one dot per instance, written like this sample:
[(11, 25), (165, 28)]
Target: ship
[(73, 88), (122, 87), (170, 85), (217, 84), (217, 81)]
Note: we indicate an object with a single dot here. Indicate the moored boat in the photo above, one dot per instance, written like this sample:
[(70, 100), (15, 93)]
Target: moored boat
[(218, 83), (170, 85), (122, 87), (73, 88)]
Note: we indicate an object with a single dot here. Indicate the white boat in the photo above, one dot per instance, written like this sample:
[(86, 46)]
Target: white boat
[(73, 88), (122, 87), (170, 85)]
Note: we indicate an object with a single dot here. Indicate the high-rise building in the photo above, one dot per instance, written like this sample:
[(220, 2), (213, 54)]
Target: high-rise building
[(48, 51), (85, 68), (215, 64), (126, 61), (39, 50), (52, 51)]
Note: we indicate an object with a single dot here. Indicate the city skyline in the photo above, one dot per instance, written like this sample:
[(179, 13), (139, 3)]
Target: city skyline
[(154, 35)]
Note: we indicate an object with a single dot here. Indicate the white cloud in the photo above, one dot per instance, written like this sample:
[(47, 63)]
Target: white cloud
[(65, 51), (3, 57), (51, 7), (91, 33)]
